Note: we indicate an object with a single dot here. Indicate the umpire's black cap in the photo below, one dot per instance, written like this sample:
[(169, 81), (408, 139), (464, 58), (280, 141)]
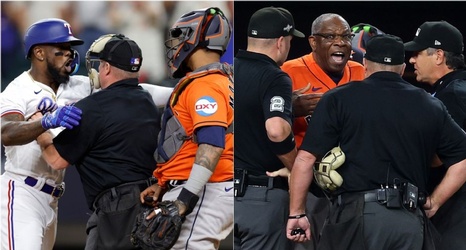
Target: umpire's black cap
[(272, 22), (438, 35), (385, 49), (119, 51)]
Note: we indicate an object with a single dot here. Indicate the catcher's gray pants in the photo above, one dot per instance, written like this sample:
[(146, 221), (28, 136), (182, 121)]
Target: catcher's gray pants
[(211, 220)]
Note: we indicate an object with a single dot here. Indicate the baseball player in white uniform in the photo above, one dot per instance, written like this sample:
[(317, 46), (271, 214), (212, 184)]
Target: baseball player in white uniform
[(160, 94), (30, 189)]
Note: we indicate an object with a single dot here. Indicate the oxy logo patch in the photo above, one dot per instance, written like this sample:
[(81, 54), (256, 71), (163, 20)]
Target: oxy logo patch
[(206, 106)]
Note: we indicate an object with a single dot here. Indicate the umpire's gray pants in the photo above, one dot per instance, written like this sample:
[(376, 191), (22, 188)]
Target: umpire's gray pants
[(260, 219)]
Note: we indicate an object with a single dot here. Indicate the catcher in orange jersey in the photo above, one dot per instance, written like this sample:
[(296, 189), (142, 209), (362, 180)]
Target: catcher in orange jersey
[(325, 68), (195, 151)]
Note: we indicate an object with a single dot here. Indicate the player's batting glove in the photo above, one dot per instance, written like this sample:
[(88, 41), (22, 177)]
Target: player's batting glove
[(66, 116)]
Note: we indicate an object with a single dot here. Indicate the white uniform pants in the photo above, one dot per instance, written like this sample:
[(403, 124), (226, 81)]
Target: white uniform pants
[(28, 216)]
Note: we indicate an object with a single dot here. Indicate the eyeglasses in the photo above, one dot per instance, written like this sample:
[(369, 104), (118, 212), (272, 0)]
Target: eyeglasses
[(333, 37)]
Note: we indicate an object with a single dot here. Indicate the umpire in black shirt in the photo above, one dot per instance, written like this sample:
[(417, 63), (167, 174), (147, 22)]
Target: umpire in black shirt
[(264, 140), (438, 60), (113, 146), (389, 131)]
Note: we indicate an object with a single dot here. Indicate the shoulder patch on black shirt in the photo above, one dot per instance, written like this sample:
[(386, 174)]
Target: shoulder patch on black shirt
[(277, 103)]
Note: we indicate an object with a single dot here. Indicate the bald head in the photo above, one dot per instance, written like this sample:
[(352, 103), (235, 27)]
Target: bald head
[(275, 48)]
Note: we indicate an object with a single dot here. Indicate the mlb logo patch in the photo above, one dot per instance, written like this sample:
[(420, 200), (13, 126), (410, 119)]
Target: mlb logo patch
[(135, 61)]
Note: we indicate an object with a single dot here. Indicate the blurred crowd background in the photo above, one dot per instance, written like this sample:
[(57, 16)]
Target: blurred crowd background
[(146, 22)]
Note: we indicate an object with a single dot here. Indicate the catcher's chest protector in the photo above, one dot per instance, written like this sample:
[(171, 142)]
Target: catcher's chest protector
[(173, 134)]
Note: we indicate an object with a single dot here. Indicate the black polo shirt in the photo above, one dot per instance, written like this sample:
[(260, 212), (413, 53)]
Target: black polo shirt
[(115, 140), (451, 90), (262, 91), (388, 129)]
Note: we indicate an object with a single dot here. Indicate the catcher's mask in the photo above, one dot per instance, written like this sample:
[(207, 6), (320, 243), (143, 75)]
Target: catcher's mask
[(363, 32), (207, 28), (118, 50)]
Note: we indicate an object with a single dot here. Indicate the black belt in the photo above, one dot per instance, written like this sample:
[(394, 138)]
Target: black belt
[(270, 182), (56, 191), (114, 192), (369, 196)]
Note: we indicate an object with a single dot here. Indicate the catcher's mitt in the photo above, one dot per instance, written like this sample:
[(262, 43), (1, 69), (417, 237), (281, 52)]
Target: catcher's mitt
[(162, 231)]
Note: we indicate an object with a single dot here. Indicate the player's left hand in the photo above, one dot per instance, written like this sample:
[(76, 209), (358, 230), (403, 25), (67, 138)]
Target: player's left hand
[(66, 116)]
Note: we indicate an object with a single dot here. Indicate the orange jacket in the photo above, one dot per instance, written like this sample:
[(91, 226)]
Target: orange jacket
[(304, 70), (204, 102)]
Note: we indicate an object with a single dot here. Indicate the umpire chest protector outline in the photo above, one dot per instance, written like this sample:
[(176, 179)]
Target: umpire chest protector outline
[(173, 134)]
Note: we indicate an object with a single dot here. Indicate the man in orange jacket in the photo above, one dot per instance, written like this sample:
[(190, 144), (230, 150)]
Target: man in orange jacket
[(325, 68)]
